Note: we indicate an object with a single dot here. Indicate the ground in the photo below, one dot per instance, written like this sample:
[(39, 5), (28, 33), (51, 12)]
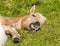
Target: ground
[(48, 35)]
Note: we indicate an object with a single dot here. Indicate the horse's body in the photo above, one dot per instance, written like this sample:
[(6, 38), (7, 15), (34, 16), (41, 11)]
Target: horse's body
[(30, 22), (2, 35)]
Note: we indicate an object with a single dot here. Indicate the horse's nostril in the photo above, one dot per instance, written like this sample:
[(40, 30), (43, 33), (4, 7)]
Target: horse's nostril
[(37, 23)]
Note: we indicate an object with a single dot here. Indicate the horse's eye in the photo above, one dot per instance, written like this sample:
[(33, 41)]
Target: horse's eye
[(33, 15)]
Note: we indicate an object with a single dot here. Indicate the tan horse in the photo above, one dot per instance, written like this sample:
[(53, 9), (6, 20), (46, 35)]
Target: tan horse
[(31, 22)]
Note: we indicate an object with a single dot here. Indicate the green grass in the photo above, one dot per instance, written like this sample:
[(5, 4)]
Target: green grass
[(49, 35)]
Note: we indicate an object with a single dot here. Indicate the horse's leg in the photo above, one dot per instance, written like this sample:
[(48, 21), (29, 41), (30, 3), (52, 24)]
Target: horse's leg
[(13, 32)]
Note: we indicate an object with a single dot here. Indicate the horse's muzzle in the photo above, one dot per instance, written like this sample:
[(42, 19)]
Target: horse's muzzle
[(34, 26)]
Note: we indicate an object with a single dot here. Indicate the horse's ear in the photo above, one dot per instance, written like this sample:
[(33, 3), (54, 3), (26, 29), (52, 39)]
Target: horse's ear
[(32, 10)]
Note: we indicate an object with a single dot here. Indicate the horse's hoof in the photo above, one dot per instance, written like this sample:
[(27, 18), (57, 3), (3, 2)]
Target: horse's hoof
[(16, 40)]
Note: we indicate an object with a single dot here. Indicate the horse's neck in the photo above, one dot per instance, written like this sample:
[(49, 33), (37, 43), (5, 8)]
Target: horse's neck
[(19, 22)]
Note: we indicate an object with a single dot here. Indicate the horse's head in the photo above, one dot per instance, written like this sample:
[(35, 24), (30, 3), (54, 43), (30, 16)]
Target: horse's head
[(34, 20)]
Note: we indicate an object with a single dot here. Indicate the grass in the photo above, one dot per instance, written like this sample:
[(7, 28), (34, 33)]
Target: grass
[(49, 35)]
